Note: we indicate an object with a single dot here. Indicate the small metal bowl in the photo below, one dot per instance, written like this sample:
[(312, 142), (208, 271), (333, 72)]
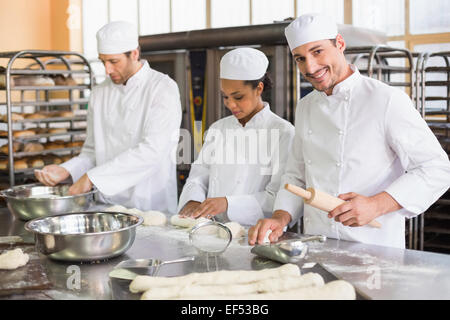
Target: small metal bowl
[(35, 200), (84, 236)]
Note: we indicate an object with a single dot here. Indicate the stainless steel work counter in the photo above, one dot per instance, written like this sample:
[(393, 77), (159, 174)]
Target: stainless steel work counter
[(376, 272)]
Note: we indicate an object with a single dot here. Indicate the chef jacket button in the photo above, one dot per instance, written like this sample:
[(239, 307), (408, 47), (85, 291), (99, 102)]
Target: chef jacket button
[(346, 98), (338, 164), (309, 161), (341, 132), (310, 132)]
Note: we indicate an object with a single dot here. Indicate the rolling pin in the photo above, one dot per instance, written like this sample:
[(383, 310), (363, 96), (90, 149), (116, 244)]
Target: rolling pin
[(321, 200)]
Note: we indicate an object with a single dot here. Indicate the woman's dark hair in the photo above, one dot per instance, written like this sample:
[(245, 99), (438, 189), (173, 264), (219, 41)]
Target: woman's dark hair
[(266, 80)]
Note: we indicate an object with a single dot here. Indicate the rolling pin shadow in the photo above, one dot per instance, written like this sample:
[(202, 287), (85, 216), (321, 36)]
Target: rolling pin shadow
[(321, 200)]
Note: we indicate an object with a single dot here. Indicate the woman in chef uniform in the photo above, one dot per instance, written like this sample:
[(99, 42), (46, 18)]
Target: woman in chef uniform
[(237, 173)]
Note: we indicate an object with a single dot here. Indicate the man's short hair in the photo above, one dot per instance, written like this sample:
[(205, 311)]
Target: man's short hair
[(128, 53)]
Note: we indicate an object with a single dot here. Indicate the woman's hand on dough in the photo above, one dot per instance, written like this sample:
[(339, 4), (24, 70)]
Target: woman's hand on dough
[(83, 185), (189, 209), (211, 207), (359, 210), (276, 223), (51, 175)]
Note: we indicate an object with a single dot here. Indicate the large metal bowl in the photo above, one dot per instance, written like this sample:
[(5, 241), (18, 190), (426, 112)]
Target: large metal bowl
[(84, 236), (35, 200)]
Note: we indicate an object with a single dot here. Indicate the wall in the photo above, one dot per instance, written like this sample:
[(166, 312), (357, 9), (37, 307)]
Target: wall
[(40, 24)]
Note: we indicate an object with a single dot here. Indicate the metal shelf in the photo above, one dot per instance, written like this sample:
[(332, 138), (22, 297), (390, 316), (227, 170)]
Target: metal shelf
[(47, 88), (48, 103), (55, 119), (48, 135), (44, 152), (44, 63)]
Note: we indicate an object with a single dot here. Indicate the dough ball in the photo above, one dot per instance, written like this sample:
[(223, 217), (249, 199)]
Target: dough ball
[(116, 208), (135, 211), (13, 259), (236, 229), (154, 218)]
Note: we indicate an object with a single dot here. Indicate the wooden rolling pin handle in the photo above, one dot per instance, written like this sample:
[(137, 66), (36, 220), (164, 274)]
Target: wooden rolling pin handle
[(298, 191), (325, 203)]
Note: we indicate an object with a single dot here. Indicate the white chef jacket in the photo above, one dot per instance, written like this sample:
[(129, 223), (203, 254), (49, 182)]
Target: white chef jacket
[(248, 180), (132, 137), (366, 138)]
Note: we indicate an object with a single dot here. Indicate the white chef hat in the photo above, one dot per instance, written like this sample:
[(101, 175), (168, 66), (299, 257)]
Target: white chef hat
[(243, 64), (308, 28), (117, 37)]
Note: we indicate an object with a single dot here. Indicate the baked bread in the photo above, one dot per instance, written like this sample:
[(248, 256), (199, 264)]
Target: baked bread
[(16, 147), (59, 80), (74, 144), (35, 115), (35, 162), (39, 81), (3, 133), (33, 147), (57, 160), (57, 130), (23, 133), (54, 145), (3, 164), (20, 164), (63, 114), (14, 117)]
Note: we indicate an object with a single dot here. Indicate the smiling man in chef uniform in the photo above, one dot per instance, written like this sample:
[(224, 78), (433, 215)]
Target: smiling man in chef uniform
[(134, 118), (358, 139)]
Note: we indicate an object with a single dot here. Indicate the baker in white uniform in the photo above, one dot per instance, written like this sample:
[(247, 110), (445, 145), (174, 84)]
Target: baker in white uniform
[(237, 173), (356, 138), (133, 124)]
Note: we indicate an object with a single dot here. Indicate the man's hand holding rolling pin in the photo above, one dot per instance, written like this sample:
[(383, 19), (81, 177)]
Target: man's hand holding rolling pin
[(359, 210), (356, 211)]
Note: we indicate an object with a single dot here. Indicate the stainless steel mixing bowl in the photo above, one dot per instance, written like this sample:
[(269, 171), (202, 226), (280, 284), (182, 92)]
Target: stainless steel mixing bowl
[(84, 236), (35, 200)]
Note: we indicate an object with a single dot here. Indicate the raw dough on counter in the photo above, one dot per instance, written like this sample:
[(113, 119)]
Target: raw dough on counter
[(334, 290), (117, 208), (263, 286), (13, 259), (236, 229), (151, 218), (224, 277), (178, 221)]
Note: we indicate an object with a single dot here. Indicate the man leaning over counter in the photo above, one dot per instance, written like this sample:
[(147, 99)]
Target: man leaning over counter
[(356, 138), (134, 119)]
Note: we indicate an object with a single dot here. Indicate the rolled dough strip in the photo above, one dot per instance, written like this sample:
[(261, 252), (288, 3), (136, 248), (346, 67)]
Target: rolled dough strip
[(334, 290), (13, 259), (263, 286), (144, 283)]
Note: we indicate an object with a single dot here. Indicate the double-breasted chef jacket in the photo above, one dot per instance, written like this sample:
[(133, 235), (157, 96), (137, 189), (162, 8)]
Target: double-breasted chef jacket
[(132, 137), (249, 185), (366, 138)]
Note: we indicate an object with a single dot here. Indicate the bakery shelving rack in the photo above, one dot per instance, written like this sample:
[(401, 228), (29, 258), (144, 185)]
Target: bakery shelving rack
[(433, 102), (43, 96)]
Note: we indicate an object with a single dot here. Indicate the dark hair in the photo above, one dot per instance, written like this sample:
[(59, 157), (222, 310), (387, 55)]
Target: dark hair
[(266, 80), (333, 41), (128, 53)]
